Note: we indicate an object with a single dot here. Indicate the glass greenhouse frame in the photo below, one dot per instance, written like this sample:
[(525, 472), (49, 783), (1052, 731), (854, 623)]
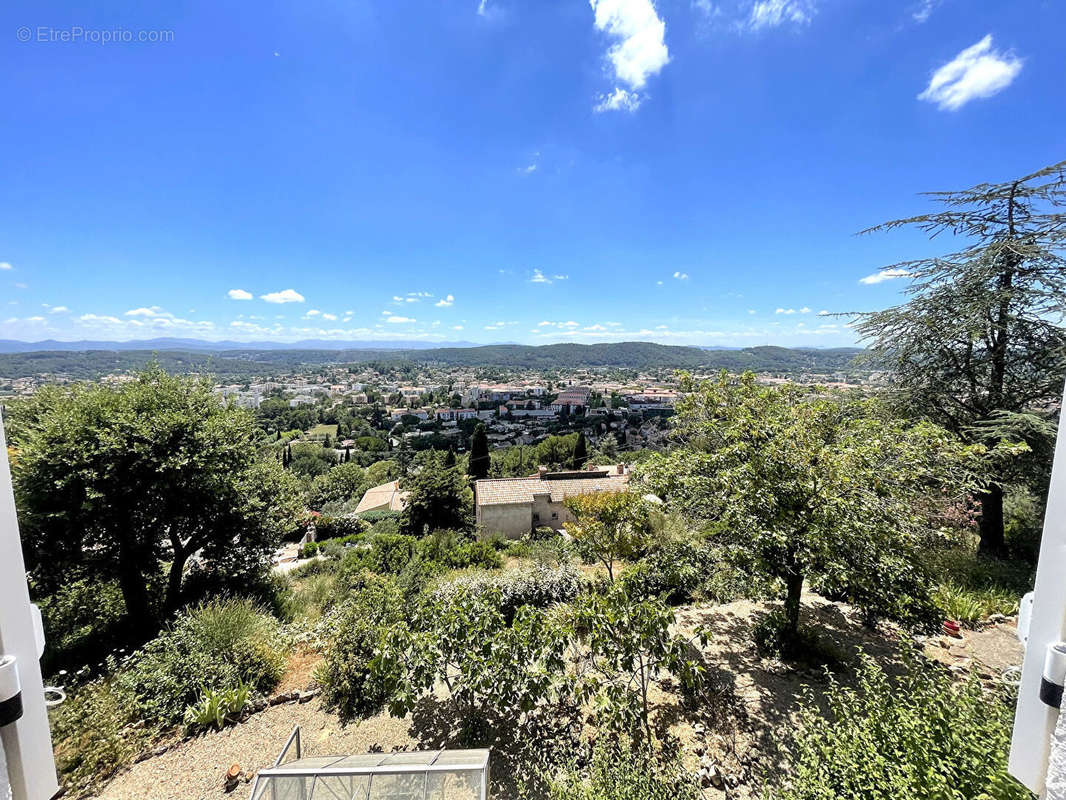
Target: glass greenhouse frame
[(425, 775)]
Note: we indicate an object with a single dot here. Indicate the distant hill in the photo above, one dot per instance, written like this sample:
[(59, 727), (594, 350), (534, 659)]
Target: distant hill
[(246, 361), (84, 345)]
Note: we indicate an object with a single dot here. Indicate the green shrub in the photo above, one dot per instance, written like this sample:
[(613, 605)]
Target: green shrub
[(973, 605), (518, 549), (309, 597), (357, 627), (339, 527), (922, 736), (617, 773), (674, 572), (1023, 524), (220, 643), (94, 735), (497, 673), (317, 567), (456, 551), (543, 533), (83, 619), (389, 553), (372, 518), (973, 587), (533, 585)]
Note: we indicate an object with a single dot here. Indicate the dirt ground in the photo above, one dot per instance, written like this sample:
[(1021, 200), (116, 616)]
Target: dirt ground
[(738, 729)]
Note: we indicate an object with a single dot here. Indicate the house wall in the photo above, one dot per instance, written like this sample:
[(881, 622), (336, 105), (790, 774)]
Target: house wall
[(545, 512), (513, 520)]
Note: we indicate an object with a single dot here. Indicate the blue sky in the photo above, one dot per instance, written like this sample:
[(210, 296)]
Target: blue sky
[(683, 171)]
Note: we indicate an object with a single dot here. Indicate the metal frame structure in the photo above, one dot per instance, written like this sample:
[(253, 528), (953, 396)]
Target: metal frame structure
[(375, 776)]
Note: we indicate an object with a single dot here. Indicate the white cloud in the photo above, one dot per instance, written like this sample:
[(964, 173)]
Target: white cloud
[(330, 317), (90, 318), (976, 72), (658, 283), (823, 313), (774, 13), (144, 312), (532, 166), (805, 310), (751, 311), (397, 320), (544, 324), (34, 319), (21, 286), (284, 296), (457, 327), (445, 302), (924, 10), (59, 310), (681, 276), (884, 275), (5, 266), (639, 50), (560, 277), (540, 277), (619, 100), (785, 311), (313, 312), (239, 294)]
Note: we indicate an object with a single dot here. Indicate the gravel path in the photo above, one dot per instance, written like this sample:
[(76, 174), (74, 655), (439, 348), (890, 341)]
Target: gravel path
[(194, 769)]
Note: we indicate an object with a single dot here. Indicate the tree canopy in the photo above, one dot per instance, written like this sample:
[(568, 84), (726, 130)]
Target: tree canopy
[(805, 483), (979, 347), (437, 498), (124, 478)]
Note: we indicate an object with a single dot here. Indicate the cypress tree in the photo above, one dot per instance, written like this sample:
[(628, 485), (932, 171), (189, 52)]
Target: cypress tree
[(449, 458), (581, 452), (479, 453)]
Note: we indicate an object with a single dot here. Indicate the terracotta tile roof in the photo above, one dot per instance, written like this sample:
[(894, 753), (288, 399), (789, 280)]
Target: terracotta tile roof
[(386, 497), (501, 491)]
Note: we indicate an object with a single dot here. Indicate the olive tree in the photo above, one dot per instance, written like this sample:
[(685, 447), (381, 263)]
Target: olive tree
[(806, 483), (130, 478)]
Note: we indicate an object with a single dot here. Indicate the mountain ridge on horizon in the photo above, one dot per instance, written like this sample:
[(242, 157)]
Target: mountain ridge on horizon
[(9, 346)]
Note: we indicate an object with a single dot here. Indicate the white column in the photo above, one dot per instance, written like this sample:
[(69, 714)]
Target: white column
[(1034, 721), (28, 742)]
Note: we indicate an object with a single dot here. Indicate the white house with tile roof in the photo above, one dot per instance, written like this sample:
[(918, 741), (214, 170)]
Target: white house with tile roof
[(513, 507)]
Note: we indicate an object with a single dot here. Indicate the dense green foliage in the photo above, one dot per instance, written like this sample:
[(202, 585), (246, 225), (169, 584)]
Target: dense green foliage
[(218, 645), (437, 497), (536, 585), (357, 628), (811, 485), (608, 527), (119, 480), (979, 347), (922, 736), (617, 773)]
